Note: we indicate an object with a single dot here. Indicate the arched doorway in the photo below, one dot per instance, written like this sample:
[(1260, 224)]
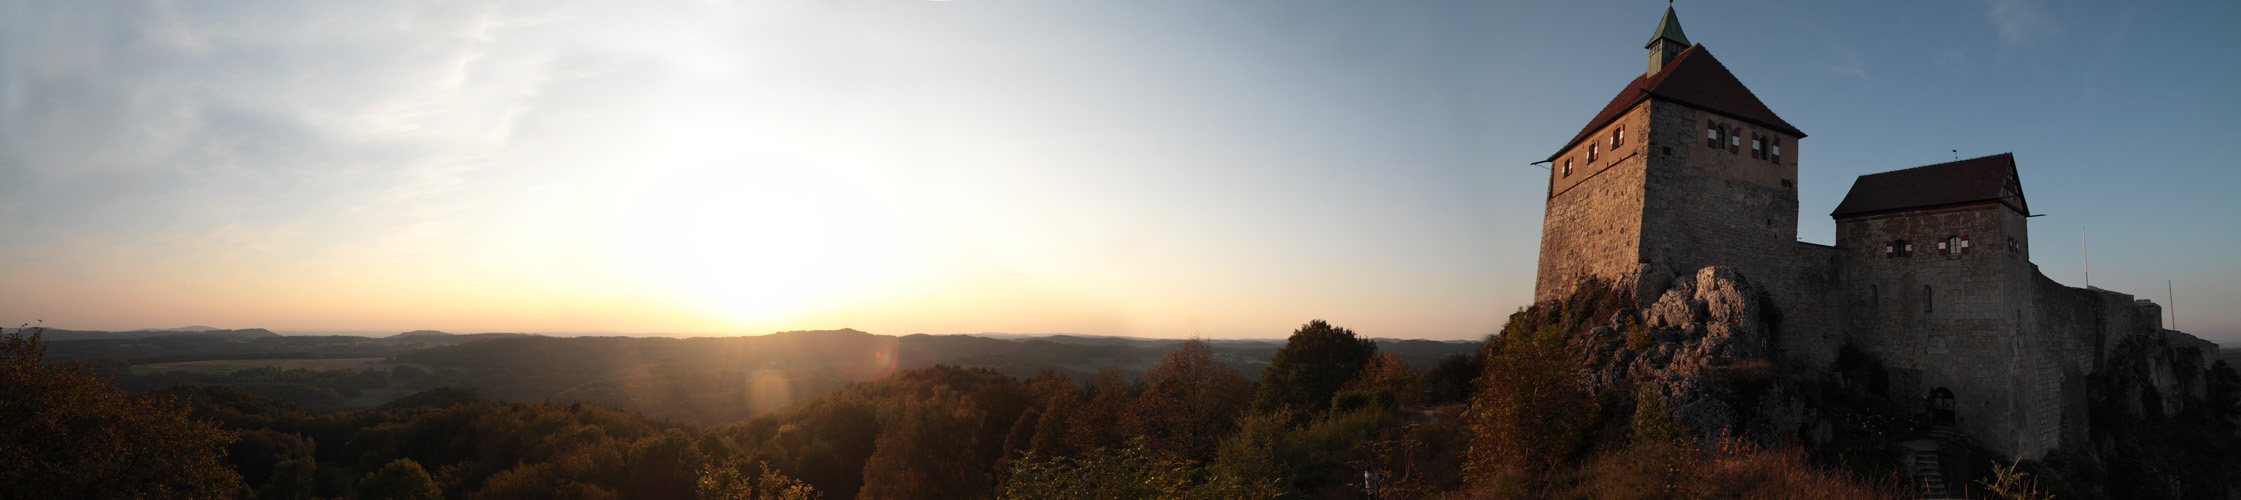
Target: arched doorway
[(1941, 406)]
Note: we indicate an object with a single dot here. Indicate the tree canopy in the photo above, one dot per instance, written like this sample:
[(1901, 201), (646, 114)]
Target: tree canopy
[(1317, 361), (65, 433)]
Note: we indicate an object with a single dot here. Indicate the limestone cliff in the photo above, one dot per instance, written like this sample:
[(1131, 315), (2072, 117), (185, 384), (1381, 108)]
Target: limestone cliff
[(1704, 344)]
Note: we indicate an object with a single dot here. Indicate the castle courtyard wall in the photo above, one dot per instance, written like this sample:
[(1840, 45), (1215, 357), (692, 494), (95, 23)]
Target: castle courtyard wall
[(1813, 326)]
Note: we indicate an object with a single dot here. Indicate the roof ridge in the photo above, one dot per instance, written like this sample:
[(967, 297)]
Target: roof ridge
[(2009, 154), (1707, 86), (1984, 178)]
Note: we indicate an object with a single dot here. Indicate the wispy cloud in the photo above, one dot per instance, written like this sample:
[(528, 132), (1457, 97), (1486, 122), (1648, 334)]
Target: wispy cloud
[(1952, 60), (2019, 20)]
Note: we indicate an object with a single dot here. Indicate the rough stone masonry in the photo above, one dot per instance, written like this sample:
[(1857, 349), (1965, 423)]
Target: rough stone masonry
[(1686, 170)]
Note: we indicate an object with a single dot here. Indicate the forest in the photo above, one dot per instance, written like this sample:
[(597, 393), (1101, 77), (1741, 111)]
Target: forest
[(1329, 416)]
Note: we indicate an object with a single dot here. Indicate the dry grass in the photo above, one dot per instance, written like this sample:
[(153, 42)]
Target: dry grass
[(1727, 469)]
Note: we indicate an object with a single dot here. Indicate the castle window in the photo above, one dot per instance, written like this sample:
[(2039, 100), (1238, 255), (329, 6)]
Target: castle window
[(2013, 247), (1711, 135), (1775, 141), (1591, 153), (1758, 147), (1618, 137), (1567, 167), (1928, 299), (1953, 245), (1897, 248), (1735, 144)]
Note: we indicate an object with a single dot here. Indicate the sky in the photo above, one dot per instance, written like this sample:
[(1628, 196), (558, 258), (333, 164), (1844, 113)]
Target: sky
[(1156, 168)]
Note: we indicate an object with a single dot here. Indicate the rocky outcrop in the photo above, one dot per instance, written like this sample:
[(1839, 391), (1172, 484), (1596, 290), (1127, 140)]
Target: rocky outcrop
[(1704, 346)]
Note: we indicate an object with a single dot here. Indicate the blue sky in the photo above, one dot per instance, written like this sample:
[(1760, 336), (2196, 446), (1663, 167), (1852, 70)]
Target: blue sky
[(1161, 168)]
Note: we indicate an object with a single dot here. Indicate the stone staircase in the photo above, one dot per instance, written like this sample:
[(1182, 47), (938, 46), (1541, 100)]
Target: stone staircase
[(1924, 463)]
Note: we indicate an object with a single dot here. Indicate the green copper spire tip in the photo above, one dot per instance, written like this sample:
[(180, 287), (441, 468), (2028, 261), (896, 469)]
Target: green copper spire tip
[(1668, 29)]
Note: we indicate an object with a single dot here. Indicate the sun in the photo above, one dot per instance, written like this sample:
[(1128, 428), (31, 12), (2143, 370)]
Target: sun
[(757, 243)]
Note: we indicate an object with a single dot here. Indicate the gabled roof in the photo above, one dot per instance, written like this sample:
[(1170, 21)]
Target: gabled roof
[(1974, 180), (1693, 78), (1668, 28)]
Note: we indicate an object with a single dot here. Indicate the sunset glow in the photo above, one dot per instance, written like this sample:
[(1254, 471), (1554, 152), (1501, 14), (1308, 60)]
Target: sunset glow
[(1121, 168)]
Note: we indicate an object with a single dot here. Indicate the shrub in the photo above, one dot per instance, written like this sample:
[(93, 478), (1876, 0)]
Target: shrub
[(65, 433)]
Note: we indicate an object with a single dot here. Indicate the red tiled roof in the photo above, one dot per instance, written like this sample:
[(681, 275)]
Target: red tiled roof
[(1694, 78), (1991, 178)]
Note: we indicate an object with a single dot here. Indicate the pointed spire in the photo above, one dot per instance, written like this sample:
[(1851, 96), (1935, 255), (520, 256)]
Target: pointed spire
[(1667, 42), (1668, 28)]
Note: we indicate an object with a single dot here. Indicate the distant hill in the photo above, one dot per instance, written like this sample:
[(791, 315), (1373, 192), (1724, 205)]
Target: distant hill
[(607, 369), (420, 333), (195, 328), (57, 334), (697, 378), (452, 338)]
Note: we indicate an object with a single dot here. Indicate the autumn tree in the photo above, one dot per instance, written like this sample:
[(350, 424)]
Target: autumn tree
[(1452, 379), (1190, 401), (401, 479), (1097, 421), (292, 480), (732, 481), (665, 466), (1529, 412), (926, 450), (65, 433), (1313, 365), (1131, 472)]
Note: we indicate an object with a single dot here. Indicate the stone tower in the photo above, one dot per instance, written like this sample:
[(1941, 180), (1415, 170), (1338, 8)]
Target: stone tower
[(1943, 291), (1685, 168)]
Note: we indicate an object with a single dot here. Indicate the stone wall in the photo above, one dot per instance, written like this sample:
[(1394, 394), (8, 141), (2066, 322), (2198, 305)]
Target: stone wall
[(2121, 339), (1813, 320), (1706, 207), (1667, 198), (2015, 348), (1593, 224), (1954, 319)]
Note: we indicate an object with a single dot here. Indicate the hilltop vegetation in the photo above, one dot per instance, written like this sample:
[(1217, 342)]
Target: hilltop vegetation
[(708, 380), (1580, 398), (1190, 426)]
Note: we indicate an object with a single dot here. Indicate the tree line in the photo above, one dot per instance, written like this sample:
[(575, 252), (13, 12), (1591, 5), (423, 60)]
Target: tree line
[(1330, 417)]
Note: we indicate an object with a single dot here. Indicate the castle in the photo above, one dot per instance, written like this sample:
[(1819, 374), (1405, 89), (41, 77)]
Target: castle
[(1931, 272)]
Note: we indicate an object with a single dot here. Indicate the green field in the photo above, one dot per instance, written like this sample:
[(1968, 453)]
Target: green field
[(233, 365)]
